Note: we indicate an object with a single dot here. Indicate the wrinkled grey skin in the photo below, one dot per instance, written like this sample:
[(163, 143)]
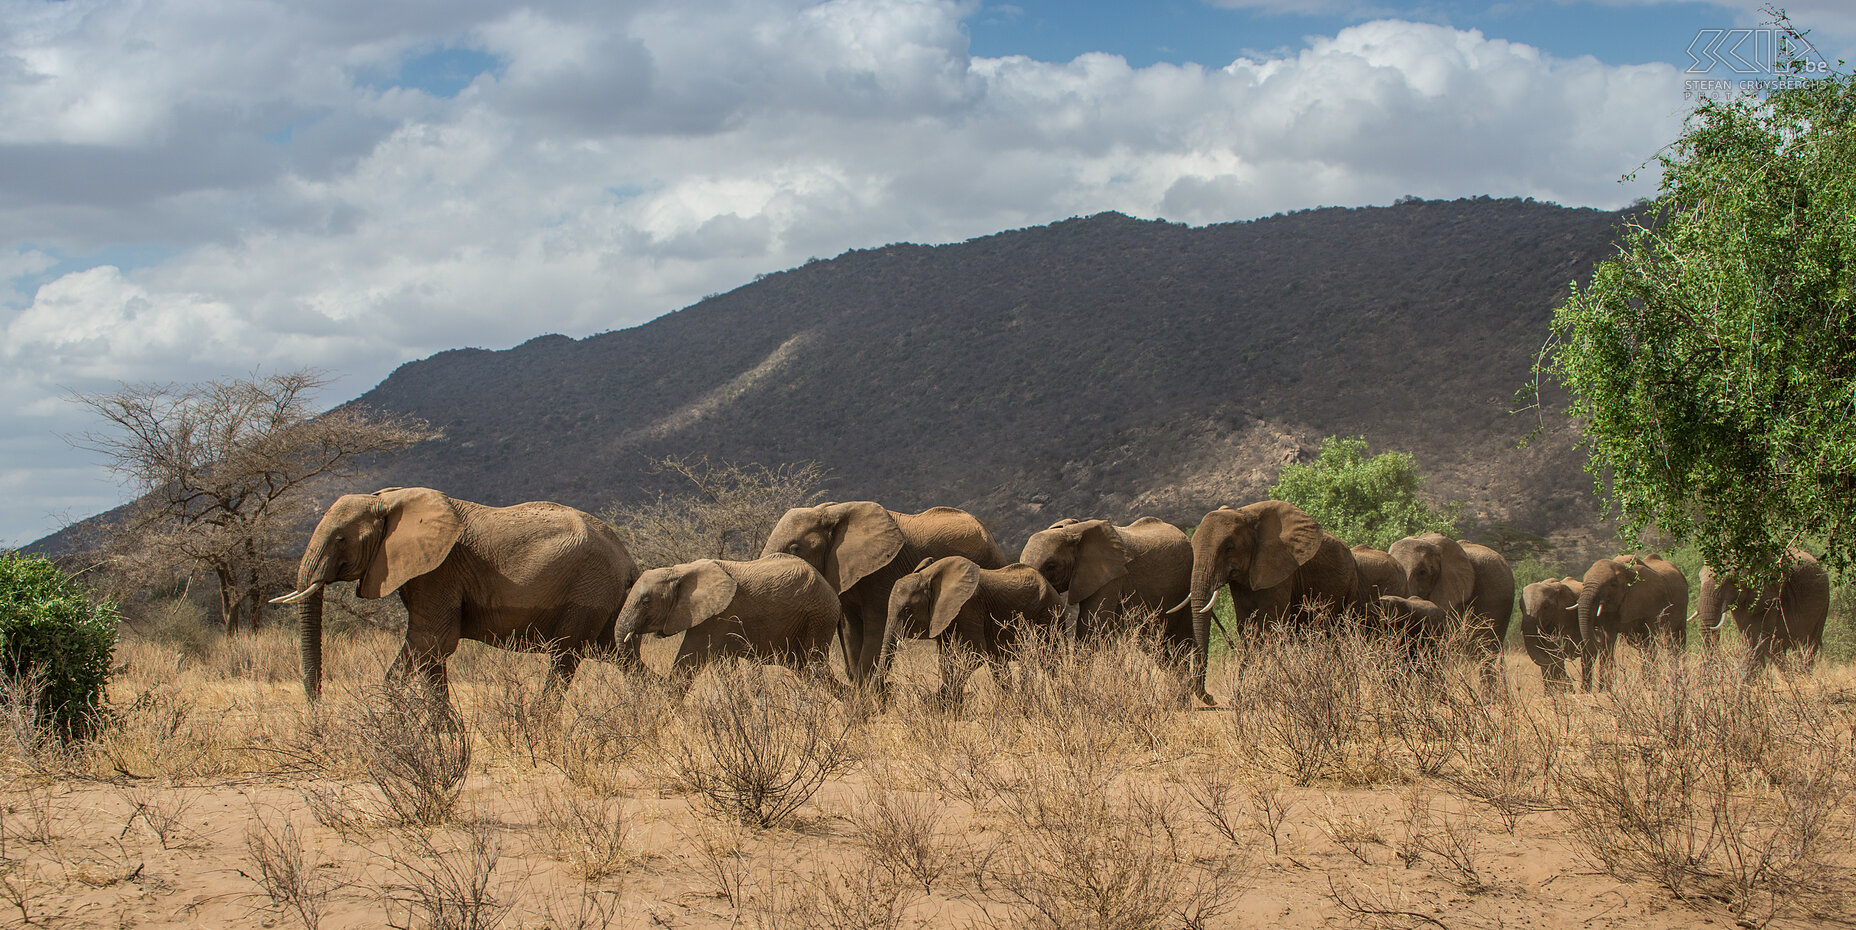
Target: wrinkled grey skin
[(1640, 597), (536, 575), (862, 548), (1781, 615), (953, 600), (1379, 575), (1550, 627), (1275, 558), (1467, 580), (776, 609), (1110, 571)]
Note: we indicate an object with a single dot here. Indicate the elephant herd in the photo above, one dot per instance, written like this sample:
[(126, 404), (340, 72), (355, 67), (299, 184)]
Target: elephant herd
[(549, 576)]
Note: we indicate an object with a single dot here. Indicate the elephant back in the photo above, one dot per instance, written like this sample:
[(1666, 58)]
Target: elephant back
[(943, 531)]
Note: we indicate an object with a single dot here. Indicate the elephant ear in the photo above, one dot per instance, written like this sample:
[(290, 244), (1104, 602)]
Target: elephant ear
[(1100, 559), (421, 527), (955, 583), (864, 539), (1456, 574), (704, 590), (1286, 539)]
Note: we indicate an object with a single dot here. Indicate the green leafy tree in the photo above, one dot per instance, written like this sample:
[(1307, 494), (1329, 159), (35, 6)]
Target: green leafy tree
[(1713, 360), (55, 642), (1364, 501)]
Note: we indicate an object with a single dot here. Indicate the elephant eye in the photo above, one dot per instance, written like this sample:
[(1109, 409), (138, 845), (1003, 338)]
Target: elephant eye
[(792, 547)]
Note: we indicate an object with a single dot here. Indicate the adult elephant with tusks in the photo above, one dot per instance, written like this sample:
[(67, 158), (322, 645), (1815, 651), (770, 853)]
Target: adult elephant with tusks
[(1786, 613), (535, 575), (1275, 559), (861, 548), (1640, 597)]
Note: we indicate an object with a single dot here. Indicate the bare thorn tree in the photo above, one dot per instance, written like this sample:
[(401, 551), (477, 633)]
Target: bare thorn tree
[(219, 470), (725, 512)]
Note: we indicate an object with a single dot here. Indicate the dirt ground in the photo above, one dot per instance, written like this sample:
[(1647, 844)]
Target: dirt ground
[(215, 769)]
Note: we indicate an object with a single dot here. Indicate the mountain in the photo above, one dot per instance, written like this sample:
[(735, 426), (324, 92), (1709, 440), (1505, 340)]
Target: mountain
[(1099, 366)]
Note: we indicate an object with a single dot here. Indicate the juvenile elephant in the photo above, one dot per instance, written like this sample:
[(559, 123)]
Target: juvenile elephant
[(1550, 627), (1465, 579), (1640, 597), (1108, 570), (539, 575), (1275, 558), (862, 548), (955, 600), (775, 608), (1784, 614), (1379, 574), (1419, 624)]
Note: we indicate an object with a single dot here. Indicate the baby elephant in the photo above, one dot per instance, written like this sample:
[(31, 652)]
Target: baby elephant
[(776, 608), (1419, 624), (953, 600)]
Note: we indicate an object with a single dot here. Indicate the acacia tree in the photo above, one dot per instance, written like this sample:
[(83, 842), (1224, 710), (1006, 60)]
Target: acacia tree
[(219, 471), (724, 512), (1364, 501), (1713, 360)]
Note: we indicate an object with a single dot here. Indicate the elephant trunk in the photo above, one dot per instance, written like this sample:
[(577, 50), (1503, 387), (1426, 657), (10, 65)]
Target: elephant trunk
[(897, 615), (1710, 608), (1205, 584), (309, 629), (1536, 642), (1589, 608)]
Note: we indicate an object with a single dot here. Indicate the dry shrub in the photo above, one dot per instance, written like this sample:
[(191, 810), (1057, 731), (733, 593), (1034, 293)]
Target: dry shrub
[(162, 810), (1715, 787), (161, 734), (1297, 710), (591, 835), (285, 872), (722, 860), (30, 813), (1350, 830), (965, 758), (755, 743), (864, 896), (1076, 854), (265, 655), (413, 748), (515, 711), (1510, 750), (614, 713), (42, 750), (900, 831), (1128, 686), (445, 886)]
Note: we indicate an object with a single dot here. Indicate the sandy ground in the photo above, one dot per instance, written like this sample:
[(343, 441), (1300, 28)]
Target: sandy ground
[(100, 848)]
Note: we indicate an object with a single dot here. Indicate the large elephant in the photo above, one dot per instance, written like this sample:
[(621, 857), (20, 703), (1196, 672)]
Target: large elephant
[(1471, 581), (536, 575), (1788, 613), (862, 548), (954, 600), (1379, 574), (1640, 597), (1550, 627), (1108, 570), (775, 609), (1275, 558)]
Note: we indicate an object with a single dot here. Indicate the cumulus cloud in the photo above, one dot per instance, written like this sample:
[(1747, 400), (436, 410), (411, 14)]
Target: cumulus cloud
[(613, 162)]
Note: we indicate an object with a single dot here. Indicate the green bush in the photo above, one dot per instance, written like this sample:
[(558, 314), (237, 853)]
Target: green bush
[(1372, 502), (55, 638)]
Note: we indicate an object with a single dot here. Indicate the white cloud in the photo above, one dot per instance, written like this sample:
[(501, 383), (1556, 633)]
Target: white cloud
[(620, 161)]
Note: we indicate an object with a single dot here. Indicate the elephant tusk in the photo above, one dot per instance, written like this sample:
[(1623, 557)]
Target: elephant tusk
[(1175, 608), (1600, 611), (295, 596), (1212, 604)]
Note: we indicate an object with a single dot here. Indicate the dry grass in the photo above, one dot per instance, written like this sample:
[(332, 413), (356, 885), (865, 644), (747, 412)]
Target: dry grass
[(1081, 796)]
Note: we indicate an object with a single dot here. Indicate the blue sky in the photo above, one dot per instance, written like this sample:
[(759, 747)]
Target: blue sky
[(197, 189)]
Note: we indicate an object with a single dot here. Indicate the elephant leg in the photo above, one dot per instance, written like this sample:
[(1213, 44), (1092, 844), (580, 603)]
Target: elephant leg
[(561, 670), (851, 637)]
